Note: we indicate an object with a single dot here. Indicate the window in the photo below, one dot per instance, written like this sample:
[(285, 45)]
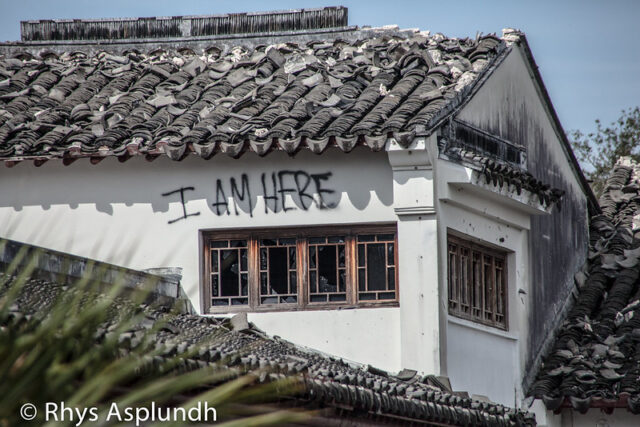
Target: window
[(477, 282), (301, 268)]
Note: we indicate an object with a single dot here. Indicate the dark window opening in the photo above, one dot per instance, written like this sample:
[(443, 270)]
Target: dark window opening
[(327, 269), (229, 272), (278, 273), (299, 268)]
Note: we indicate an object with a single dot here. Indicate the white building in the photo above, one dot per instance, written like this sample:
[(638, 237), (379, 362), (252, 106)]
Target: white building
[(439, 243)]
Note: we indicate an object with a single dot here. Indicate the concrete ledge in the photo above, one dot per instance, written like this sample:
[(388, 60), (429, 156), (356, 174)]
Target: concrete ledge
[(64, 268)]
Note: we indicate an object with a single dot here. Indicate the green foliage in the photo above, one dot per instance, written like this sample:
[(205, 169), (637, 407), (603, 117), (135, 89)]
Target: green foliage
[(62, 352), (598, 151)]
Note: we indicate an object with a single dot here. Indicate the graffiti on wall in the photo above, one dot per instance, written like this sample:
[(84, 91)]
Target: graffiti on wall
[(181, 191), (303, 188)]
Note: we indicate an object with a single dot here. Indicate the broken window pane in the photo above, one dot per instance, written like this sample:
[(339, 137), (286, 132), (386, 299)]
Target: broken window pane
[(214, 261), (278, 271), (292, 258), (326, 270), (229, 272), (215, 290), (278, 275), (339, 269), (243, 259), (312, 257), (375, 267)]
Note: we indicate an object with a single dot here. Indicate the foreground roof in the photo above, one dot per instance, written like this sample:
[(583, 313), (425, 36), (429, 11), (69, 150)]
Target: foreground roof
[(328, 382), (378, 83), (595, 361)]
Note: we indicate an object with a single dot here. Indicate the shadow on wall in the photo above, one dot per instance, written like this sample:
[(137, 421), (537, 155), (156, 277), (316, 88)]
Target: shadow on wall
[(229, 186)]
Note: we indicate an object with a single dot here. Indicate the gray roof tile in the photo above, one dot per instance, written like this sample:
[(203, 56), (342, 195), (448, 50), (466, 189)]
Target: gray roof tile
[(286, 96), (595, 360), (328, 381)]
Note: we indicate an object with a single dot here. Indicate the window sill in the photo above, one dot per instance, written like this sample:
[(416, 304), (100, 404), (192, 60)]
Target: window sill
[(480, 327), (325, 307)]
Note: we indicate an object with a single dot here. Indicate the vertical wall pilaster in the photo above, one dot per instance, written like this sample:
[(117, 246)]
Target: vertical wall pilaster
[(413, 202)]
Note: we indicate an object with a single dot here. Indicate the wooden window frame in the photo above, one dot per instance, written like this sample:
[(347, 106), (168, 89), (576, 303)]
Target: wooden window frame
[(302, 234), (464, 291)]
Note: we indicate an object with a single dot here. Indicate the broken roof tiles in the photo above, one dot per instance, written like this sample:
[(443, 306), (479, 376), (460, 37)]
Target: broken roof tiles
[(285, 97), (595, 361), (328, 381), (501, 174)]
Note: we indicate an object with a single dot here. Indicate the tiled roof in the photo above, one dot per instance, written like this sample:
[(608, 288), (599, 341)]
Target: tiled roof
[(310, 94), (503, 175), (328, 381), (595, 360)]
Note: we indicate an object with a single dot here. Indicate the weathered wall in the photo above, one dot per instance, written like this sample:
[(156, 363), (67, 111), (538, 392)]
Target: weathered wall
[(482, 362), (509, 106), (132, 215), (481, 359)]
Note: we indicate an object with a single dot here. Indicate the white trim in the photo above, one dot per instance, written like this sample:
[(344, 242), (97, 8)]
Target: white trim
[(415, 210)]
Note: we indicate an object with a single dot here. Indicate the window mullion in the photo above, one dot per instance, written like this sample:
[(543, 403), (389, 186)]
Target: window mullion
[(396, 251), (494, 297), (352, 269), (206, 294), (302, 264), (254, 273), (505, 294)]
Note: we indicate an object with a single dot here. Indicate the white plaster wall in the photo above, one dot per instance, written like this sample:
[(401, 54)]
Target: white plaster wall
[(482, 362), (481, 359), (420, 330), (115, 212), (369, 335)]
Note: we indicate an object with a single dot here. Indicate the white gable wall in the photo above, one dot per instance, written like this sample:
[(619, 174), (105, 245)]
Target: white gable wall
[(480, 359), (484, 360)]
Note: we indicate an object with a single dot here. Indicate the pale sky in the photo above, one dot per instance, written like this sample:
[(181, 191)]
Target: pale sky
[(588, 51)]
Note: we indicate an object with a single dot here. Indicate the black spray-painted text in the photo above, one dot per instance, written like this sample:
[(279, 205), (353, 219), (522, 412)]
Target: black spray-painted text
[(305, 190)]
